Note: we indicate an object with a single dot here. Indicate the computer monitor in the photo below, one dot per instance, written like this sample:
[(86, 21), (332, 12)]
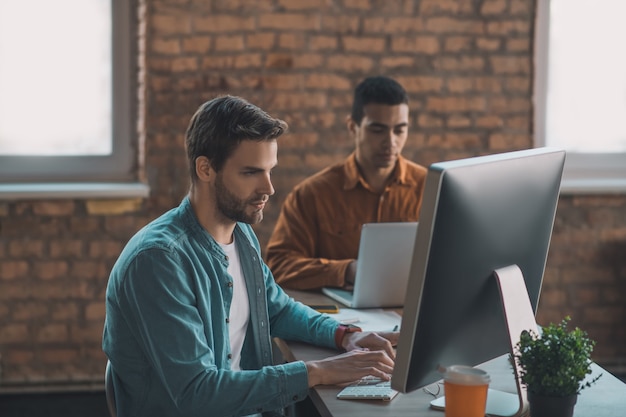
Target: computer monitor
[(478, 215)]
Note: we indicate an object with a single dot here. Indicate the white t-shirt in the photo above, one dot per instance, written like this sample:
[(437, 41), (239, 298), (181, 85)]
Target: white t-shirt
[(240, 307)]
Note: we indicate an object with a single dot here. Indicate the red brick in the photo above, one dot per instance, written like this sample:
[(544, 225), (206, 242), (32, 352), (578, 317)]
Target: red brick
[(327, 82), (86, 269), (222, 23), (26, 248), (421, 84), (264, 41), (518, 84), (357, 4), (289, 21), (193, 44), (455, 104), (54, 208), (66, 249), (170, 24), (505, 105), (14, 333), (523, 7), (489, 121), (184, 64), (491, 7), (350, 63), (324, 119), (287, 101), (323, 42), (315, 5), (240, 61), (510, 65), (461, 84), (428, 121), (454, 25), (395, 25), (518, 122), (509, 141), (296, 41), (64, 311), (363, 44), (447, 6), (53, 355), (488, 44), (48, 270), (95, 311), (308, 61), (229, 43), (166, 46), (457, 121), (345, 24), (509, 28), (297, 141), (518, 45), (457, 43), (10, 270), (398, 62), (416, 44), (463, 63)]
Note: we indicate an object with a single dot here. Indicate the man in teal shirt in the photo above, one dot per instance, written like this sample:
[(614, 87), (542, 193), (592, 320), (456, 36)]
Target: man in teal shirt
[(191, 307)]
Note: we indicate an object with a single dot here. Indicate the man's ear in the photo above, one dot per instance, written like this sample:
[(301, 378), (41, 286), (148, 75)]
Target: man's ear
[(352, 126), (204, 171)]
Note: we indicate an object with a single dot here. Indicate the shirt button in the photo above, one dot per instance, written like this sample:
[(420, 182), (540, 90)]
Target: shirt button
[(230, 356), (227, 320), (295, 398), (226, 257), (230, 284)]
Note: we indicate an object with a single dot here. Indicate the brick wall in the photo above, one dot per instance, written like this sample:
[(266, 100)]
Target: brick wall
[(467, 65)]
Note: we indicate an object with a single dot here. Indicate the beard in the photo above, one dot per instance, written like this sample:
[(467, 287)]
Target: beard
[(234, 208)]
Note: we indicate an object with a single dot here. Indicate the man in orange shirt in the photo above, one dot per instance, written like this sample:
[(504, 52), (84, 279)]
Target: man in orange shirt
[(316, 238)]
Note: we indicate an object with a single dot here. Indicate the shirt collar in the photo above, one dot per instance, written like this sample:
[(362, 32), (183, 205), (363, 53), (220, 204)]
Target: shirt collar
[(354, 177)]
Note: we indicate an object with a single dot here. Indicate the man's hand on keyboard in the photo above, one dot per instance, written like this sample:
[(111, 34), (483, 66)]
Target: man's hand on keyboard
[(349, 367), (372, 341)]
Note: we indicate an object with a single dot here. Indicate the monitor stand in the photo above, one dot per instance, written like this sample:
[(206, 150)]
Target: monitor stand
[(519, 316)]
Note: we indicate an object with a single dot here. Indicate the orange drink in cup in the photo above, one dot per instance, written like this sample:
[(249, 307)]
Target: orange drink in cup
[(465, 390)]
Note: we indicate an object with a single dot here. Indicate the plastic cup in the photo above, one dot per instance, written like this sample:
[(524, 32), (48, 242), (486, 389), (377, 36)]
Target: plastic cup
[(465, 390)]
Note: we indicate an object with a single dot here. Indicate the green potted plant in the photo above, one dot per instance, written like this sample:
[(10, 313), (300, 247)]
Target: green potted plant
[(554, 367)]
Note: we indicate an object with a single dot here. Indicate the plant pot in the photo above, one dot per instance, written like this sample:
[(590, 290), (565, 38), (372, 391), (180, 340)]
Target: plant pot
[(548, 406)]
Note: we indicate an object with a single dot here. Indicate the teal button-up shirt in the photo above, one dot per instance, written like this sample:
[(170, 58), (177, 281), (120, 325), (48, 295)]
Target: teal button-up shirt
[(166, 329)]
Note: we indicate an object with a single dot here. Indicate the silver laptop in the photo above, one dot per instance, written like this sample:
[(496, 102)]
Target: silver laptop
[(382, 270)]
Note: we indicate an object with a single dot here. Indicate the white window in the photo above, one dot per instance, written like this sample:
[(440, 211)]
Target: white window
[(66, 94), (580, 90)]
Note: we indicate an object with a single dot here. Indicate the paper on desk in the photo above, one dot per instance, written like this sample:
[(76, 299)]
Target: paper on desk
[(370, 320)]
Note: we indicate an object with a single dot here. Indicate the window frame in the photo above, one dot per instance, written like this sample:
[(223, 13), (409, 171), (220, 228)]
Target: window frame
[(76, 175), (583, 172)]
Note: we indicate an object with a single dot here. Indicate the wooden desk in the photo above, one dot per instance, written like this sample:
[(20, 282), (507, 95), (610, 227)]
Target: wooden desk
[(606, 398)]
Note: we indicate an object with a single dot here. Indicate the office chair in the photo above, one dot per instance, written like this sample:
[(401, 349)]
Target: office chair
[(108, 389)]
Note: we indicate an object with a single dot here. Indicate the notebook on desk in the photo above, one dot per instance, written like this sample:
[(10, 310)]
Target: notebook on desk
[(383, 263)]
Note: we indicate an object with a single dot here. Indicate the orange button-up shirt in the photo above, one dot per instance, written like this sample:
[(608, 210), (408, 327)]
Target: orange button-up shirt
[(318, 231)]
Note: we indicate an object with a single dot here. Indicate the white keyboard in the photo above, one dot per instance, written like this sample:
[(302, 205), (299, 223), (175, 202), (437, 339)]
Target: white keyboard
[(368, 388)]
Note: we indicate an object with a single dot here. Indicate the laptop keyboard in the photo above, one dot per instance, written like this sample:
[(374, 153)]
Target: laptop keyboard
[(368, 388)]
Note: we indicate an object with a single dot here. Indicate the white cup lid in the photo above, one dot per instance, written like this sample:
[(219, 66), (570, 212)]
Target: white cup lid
[(465, 375)]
